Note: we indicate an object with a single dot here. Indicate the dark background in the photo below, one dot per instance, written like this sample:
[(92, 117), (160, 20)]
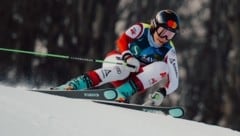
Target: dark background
[(207, 47)]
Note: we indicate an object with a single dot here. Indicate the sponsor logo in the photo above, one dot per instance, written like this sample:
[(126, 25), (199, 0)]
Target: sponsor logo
[(105, 72), (91, 94), (152, 81), (173, 62), (133, 31), (147, 59), (172, 24), (173, 52), (118, 70), (163, 74), (152, 111)]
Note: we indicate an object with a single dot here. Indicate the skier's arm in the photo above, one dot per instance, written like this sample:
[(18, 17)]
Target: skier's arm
[(171, 60), (133, 33)]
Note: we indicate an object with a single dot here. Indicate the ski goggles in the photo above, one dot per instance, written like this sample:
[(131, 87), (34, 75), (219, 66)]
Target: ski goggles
[(164, 33)]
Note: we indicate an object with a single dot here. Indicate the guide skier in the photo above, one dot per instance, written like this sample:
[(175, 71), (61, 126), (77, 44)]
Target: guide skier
[(147, 47)]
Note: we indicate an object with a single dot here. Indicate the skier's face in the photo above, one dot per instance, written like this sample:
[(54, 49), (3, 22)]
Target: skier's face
[(162, 35)]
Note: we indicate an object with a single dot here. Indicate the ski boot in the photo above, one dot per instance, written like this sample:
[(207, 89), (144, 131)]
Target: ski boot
[(125, 91), (80, 83), (156, 98)]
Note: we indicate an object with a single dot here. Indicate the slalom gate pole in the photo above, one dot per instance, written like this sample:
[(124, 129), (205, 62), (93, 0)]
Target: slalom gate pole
[(62, 56)]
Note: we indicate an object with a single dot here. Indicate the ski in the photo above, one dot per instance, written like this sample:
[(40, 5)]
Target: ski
[(93, 94), (107, 96), (176, 112)]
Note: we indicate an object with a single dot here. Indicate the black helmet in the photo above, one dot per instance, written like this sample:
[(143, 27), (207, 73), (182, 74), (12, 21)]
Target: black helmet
[(167, 19)]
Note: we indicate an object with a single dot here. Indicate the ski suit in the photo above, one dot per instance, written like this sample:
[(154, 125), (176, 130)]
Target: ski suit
[(156, 63)]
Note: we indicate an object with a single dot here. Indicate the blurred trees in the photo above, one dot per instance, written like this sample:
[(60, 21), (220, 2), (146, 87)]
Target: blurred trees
[(207, 46), (74, 28), (212, 83)]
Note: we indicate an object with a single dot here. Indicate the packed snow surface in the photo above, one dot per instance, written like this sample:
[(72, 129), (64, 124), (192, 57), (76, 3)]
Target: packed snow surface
[(27, 113)]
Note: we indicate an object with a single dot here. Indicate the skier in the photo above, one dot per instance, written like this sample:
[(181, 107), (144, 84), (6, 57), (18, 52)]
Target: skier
[(147, 47)]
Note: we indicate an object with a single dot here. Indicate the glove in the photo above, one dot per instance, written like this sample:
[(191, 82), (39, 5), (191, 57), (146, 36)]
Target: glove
[(158, 96), (129, 59), (133, 62)]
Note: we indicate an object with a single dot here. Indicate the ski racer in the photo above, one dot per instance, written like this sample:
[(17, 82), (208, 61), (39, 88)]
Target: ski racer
[(147, 47)]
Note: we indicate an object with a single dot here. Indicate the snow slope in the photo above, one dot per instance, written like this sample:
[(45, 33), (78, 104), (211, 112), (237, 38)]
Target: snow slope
[(26, 113)]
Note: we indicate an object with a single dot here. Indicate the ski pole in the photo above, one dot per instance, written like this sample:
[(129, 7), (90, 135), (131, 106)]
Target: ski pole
[(63, 56)]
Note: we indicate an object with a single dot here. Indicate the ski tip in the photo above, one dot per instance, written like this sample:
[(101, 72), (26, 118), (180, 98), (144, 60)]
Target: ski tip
[(177, 112), (110, 94)]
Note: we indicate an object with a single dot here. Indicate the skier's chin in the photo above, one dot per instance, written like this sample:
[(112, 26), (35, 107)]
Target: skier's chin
[(159, 43)]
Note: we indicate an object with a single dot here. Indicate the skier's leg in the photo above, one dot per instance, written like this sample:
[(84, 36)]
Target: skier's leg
[(155, 97), (153, 74), (156, 89), (112, 72), (80, 83), (150, 76), (108, 73)]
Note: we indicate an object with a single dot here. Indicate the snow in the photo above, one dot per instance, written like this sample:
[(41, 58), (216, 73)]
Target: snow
[(26, 113)]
